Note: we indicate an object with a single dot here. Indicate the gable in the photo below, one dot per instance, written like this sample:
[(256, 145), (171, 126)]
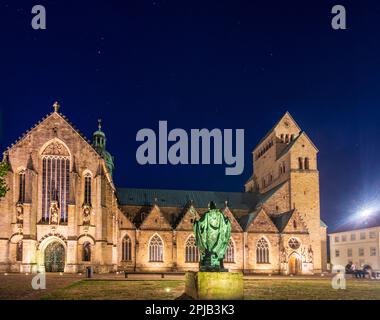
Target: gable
[(261, 223), (235, 226), (295, 224), (54, 134), (186, 221), (287, 124), (125, 223), (156, 220)]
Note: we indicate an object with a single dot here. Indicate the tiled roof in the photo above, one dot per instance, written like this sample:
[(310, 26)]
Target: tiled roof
[(246, 220), (181, 198), (200, 199), (281, 220)]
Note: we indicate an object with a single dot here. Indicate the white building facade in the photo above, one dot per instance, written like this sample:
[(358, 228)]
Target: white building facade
[(360, 246)]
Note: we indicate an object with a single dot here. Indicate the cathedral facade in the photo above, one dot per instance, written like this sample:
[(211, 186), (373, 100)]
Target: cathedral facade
[(63, 213)]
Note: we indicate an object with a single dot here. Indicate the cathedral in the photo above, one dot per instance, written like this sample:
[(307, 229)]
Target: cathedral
[(63, 213)]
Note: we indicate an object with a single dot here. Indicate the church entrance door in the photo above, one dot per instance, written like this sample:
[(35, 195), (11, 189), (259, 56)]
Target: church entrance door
[(294, 264), (54, 257)]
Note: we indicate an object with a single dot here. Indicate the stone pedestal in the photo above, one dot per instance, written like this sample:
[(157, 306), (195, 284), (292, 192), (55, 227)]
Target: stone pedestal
[(214, 285)]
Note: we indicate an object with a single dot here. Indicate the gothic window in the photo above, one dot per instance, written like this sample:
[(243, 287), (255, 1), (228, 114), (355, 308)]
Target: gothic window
[(21, 197), (87, 189), (127, 249), (300, 163), (306, 163), (283, 167), (262, 251), (287, 138), (229, 256), (294, 224), (191, 251), (55, 180), (156, 249), (86, 251), (294, 243), (19, 249)]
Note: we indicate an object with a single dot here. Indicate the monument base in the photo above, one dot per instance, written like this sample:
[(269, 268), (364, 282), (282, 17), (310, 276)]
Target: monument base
[(214, 285)]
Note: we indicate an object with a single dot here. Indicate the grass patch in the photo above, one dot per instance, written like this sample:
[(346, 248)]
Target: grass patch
[(119, 290), (278, 289)]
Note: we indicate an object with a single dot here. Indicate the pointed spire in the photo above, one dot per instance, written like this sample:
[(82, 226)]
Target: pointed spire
[(56, 106), (100, 124)]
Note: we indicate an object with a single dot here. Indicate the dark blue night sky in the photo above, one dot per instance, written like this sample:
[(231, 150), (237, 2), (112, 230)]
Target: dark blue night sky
[(224, 64)]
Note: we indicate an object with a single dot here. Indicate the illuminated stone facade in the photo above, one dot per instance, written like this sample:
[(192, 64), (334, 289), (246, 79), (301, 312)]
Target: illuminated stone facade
[(63, 212)]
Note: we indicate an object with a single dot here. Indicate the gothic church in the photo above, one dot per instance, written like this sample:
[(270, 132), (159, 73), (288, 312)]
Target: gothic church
[(64, 213)]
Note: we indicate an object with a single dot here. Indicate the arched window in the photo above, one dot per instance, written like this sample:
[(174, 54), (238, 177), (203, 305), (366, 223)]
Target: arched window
[(307, 164), (229, 256), (300, 163), (86, 251), (262, 251), (191, 251), (87, 189), (19, 249), (127, 249), (55, 179), (21, 197), (156, 249), (294, 224)]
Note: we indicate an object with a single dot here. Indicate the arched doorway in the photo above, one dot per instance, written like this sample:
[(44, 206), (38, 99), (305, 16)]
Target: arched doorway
[(294, 264), (54, 257)]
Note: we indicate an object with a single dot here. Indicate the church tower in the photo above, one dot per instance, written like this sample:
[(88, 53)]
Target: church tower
[(285, 162)]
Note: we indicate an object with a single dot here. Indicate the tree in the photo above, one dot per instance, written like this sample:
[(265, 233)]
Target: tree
[(4, 168)]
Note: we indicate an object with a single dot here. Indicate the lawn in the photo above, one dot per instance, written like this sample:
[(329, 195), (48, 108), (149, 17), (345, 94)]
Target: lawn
[(271, 289)]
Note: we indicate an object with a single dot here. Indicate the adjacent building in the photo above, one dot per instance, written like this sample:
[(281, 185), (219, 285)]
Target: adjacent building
[(356, 243)]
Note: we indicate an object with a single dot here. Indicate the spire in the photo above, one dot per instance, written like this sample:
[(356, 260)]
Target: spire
[(56, 106), (99, 138), (99, 143)]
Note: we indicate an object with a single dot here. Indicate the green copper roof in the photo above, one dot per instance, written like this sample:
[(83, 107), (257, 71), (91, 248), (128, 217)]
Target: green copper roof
[(181, 198), (99, 143), (99, 133)]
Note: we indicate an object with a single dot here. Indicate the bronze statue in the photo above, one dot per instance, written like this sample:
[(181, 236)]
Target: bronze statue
[(212, 234)]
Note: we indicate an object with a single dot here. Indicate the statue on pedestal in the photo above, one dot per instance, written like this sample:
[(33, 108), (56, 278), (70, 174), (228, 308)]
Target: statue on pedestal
[(212, 234)]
